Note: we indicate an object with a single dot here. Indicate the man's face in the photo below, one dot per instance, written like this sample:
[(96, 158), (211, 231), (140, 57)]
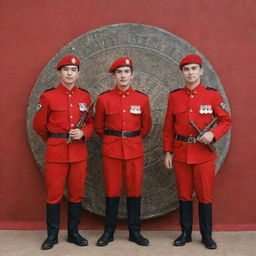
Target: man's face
[(68, 75), (192, 73), (123, 76)]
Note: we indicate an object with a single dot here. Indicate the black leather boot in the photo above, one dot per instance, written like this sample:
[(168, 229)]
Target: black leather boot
[(112, 204), (186, 220), (53, 224), (133, 210), (205, 222), (74, 212)]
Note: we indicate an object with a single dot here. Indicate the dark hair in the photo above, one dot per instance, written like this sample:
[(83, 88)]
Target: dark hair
[(68, 65), (200, 65), (123, 66)]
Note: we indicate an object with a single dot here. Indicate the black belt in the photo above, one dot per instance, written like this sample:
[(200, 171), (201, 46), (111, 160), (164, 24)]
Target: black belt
[(122, 133), (58, 135), (186, 139)]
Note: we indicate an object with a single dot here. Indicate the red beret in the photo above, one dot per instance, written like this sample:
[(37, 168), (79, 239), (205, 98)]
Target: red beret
[(68, 60), (124, 61), (192, 58)]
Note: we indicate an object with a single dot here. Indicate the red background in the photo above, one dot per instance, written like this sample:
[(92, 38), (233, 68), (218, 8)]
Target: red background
[(32, 31)]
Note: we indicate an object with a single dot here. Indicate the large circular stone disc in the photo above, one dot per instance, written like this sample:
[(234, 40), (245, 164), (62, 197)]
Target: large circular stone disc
[(156, 54)]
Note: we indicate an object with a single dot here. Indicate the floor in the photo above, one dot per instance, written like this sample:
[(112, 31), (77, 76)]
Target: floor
[(27, 243)]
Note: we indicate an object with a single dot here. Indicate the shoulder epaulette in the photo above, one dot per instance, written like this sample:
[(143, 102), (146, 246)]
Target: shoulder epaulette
[(211, 88), (175, 90), (105, 92), (83, 89), (141, 92), (49, 89)]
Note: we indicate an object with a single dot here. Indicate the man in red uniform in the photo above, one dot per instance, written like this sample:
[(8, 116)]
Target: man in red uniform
[(58, 112), (122, 120), (194, 163)]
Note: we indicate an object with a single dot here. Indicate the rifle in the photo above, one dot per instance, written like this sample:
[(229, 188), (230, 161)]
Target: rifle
[(206, 129), (82, 120)]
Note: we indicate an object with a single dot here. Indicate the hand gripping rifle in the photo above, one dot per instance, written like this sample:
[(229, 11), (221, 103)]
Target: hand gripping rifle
[(82, 120), (206, 129)]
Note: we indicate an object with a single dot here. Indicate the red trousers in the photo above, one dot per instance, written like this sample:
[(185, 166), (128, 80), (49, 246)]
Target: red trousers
[(118, 170), (195, 177), (56, 176)]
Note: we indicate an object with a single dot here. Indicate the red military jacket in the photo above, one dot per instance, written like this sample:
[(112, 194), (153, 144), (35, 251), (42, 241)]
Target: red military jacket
[(200, 105), (122, 111), (58, 112)]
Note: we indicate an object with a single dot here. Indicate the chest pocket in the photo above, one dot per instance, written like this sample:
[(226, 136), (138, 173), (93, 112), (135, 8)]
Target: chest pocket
[(135, 112), (180, 113), (56, 106), (112, 112), (111, 108), (177, 110), (58, 109), (58, 113), (135, 117), (113, 116)]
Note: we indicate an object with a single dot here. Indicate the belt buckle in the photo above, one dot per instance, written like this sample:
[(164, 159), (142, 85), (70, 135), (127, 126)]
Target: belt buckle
[(191, 140), (123, 134)]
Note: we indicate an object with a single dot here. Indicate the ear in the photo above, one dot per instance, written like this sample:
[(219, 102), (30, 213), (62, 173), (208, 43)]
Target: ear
[(202, 71)]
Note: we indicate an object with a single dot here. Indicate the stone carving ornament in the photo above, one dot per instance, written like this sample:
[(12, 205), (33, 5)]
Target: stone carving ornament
[(156, 54)]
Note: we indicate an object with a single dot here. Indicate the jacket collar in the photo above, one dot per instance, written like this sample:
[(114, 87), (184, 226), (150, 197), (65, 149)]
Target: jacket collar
[(196, 90), (65, 90), (126, 92)]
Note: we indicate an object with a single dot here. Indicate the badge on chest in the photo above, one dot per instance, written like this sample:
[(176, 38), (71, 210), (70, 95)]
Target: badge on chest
[(205, 109), (135, 109), (82, 107)]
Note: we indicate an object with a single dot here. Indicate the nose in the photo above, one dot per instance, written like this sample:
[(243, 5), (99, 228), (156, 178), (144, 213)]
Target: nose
[(190, 71)]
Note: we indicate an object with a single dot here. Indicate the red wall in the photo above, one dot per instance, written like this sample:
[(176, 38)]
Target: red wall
[(32, 31)]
